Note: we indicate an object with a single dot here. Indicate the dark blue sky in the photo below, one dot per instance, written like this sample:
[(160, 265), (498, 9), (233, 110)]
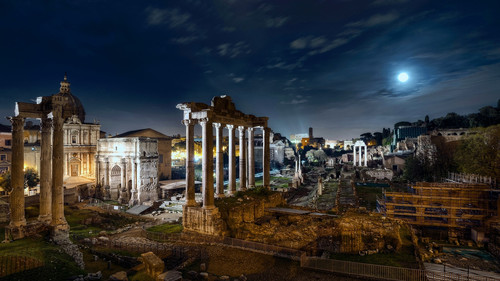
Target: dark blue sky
[(331, 65)]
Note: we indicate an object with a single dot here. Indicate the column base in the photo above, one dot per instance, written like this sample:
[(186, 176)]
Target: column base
[(191, 203), (46, 219), (15, 232), (202, 220), (220, 195)]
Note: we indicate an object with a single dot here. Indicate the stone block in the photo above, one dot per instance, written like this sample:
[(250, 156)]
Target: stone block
[(119, 276), (153, 264)]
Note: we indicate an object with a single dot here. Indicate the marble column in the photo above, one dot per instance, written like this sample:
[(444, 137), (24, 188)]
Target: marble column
[(137, 198), (366, 156), (360, 154), (266, 163), (207, 164), (251, 158), (106, 176), (87, 169), (17, 217), (97, 172), (243, 170), (190, 191), (123, 197), (219, 164), (45, 215), (354, 156), (58, 219), (232, 160), (133, 191)]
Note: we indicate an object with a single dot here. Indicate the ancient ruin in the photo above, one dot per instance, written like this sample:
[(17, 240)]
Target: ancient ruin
[(52, 111), (221, 113), (360, 145), (127, 169)]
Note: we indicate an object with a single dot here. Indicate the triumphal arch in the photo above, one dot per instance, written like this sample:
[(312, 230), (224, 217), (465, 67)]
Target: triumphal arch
[(220, 114), (52, 111)]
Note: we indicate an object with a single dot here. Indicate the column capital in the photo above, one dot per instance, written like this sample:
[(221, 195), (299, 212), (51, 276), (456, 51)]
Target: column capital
[(17, 123), (230, 127), (241, 129), (218, 125), (204, 121), (251, 129), (188, 122)]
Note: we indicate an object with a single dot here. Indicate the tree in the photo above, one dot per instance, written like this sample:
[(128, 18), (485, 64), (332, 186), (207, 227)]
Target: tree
[(31, 177), (5, 182), (480, 153), (426, 119)]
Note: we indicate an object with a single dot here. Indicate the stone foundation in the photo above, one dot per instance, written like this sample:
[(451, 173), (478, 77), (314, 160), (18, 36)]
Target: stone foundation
[(202, 220)]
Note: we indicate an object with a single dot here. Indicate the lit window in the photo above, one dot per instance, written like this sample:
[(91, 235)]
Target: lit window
[(8, 142), (73, 139)]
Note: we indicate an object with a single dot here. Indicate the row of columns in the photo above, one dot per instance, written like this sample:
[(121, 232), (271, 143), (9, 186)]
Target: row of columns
[(360, 153), (246, 164), (51, 173)]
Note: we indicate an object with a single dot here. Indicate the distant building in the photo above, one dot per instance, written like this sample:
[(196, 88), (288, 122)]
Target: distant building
[(406, 132), (297, 138), (347, 145), (5, 159), (331, 143), (164, 149), (395, 162)]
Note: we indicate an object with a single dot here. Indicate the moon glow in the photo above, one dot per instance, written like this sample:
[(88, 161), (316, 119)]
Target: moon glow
[(403, 77)]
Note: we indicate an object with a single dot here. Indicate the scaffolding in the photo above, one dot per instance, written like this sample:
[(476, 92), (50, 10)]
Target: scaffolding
[(455, 206)]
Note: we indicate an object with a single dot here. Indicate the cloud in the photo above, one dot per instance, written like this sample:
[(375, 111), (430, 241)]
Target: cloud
[(185, 40), (375, 20), (238, 79), (276, 22), (319, 45), (173, 18), (233, 50), (298, 99)]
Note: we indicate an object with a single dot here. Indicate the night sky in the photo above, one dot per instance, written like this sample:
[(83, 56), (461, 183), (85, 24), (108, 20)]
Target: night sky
[(330, 65)]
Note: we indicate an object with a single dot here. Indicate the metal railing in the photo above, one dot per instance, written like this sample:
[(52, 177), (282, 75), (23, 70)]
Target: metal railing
[(10, 264), (382, 272)]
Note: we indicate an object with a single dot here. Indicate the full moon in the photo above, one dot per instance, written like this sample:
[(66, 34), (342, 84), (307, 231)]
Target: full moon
[(403, 77)]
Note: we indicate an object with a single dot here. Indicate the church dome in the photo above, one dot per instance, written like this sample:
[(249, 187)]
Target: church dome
[(74, 105)]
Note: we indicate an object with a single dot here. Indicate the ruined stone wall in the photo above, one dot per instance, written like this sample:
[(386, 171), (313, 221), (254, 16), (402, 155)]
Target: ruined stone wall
[(380, 174)]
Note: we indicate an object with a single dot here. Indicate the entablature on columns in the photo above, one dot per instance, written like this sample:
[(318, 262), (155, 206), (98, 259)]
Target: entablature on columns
[(221, 110)]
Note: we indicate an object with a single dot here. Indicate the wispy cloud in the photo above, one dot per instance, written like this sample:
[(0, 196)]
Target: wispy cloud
[(375, 20), (185, 40), (173, 18), (319, 45), (276, 22), (297, 99), (233, 50)]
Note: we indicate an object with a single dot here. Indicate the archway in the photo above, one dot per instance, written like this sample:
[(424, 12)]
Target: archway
[(115, 182)]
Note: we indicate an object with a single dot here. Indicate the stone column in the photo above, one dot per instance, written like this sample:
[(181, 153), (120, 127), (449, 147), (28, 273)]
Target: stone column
[(232, 160), (243, 170), (360, 154), (17, 218), (366, 156), (251, 158), (190, 191), (45, 215), (207, 164), (106, 176), (87, 170), (123, 183), (133, 191), (219, 164), (58, 221), (266, 163), (137, 198), (354, 156)]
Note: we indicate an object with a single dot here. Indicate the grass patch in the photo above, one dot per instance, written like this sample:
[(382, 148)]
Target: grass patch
[(403, 258), (166, 228), (367, 196), (57, 265)]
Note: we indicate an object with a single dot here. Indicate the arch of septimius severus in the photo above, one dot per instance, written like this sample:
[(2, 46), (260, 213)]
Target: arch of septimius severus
[(52, 111), (219, 115)]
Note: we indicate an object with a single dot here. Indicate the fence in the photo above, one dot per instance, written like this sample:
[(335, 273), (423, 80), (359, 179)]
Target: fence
[(13, 264), (106, 206), (382, 272), (226, 241)]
